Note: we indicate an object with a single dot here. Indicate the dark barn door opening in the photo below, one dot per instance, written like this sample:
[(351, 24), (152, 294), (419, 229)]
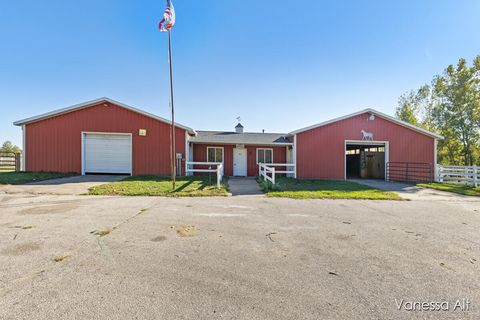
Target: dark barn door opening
[(365, 161)]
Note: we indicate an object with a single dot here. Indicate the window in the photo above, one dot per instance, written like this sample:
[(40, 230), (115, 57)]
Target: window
[(264, 156), (215, 154)]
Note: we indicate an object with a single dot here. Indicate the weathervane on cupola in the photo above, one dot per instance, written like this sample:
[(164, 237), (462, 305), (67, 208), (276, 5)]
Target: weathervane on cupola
[(239, 127)]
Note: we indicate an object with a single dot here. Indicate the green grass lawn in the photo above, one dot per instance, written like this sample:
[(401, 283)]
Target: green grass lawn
[(324, 189), (453, 187), (162, 186), (26, 177)]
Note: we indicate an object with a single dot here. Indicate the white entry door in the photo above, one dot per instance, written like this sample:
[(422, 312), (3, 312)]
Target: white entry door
[(107, 153), (240, 162)]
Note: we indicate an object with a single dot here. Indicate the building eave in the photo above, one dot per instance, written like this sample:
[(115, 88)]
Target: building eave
[(375, 112), (91, 103), (280, 144)]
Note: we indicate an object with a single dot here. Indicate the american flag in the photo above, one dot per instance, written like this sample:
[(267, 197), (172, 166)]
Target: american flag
[(168, 20)]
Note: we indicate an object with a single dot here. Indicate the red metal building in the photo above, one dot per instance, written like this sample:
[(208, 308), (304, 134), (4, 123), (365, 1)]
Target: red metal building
[(101, 136), (323, 150), (105, 136)]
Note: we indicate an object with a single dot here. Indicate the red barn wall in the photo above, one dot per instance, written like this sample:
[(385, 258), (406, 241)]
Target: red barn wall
[(279, 156), (321, 151), (54, 144), (200, 155)]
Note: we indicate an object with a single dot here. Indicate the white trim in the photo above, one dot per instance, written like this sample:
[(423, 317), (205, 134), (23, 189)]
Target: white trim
[(223, 153), (84, 133), (295, 155), (256, 153), (187, 152), (377, 113), (93, 103), (386, 144), (24, 151), (223, 143), (435, 161)]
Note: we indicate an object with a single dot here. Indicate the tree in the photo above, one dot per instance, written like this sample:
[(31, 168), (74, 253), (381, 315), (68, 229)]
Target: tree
[(416, 107), (458, 105), (407, 109), (451, 107), (8, 146)]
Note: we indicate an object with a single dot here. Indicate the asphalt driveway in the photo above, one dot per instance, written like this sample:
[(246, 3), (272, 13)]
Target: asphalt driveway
[(235, 258), (413, 192), (75, 185)]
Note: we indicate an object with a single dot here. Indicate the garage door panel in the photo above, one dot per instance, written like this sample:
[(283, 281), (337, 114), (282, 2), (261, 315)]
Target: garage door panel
[(108, 153)]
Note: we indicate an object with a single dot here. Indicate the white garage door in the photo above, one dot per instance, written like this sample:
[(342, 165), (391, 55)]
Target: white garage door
[(107, 153)]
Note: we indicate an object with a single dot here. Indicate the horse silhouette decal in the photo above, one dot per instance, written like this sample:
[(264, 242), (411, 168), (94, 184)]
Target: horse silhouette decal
[(367, 135)]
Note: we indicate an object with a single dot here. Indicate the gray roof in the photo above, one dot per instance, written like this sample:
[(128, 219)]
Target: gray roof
[(220, 137)]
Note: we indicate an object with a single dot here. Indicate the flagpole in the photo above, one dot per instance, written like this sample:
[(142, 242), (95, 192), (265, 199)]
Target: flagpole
[(172, 132)]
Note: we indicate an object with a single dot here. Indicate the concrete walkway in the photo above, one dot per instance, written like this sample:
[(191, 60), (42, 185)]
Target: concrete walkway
[(412, 192), (64, 186), (244, 186)]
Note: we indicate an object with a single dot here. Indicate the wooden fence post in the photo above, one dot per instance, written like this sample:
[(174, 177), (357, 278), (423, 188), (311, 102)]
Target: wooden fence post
[(18, 162)]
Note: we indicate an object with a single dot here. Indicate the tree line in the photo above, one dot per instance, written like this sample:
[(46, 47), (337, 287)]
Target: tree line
[(9, 147), (449, 106)]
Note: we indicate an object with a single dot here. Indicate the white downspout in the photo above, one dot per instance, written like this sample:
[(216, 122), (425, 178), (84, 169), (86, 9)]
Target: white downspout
[(435, 165), (24, 152), (295, 155), (187, 152)]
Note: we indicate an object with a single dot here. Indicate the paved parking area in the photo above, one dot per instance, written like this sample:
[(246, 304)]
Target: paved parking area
[(412, 192), (76, 185), (235, 258)]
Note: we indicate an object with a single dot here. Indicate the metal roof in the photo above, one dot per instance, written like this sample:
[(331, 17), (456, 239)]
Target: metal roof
[(93, 103), (221, 137), (377, 113)]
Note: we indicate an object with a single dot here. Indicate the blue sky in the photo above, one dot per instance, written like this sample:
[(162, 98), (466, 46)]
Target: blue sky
[(280, 65)]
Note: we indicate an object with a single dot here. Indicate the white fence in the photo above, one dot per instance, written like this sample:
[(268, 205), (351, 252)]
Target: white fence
[(458, 174), (268, 171), (218, 169)]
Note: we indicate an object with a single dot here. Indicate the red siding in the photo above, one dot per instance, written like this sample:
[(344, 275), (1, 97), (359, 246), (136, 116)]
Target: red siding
[(54, 144), (200, 155), (320, 151), (279, 156)]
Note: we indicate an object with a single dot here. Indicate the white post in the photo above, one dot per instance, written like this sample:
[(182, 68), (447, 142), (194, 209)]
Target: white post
[(295, 155), (273, 175), (219, 176), (475, 176), (260, 170), (24, 151)]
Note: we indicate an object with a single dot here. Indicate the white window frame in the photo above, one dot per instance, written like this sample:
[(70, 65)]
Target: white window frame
[(223, 153), (264, 149)]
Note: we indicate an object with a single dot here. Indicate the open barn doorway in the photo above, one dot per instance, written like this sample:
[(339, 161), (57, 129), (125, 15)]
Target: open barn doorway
[(365, 159)]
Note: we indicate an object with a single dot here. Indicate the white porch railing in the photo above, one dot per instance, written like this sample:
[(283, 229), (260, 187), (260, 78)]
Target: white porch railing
[(458, 174), (264, 169), (218, 169)]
